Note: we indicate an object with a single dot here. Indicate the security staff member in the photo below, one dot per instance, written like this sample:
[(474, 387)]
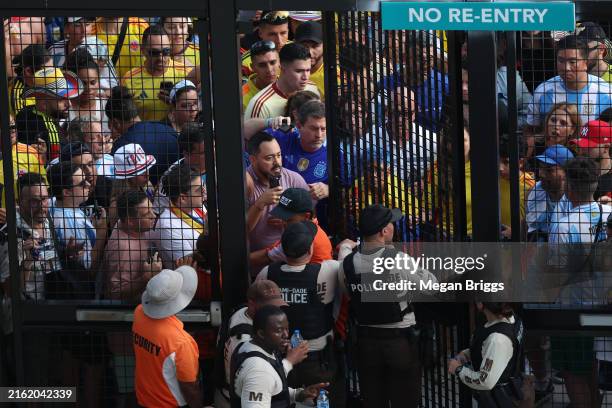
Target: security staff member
[(491, 366), (388, 357), (310, 290), (259, 375), (239, 330)]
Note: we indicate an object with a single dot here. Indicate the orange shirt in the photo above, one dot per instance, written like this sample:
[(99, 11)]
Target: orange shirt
[(165, 355)]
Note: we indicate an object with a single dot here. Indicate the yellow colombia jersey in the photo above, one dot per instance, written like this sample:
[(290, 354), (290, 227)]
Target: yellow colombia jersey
[(16, 87), (130, 56), (249, 90), (318, 77), (145, 89), (526, 182), (190, 57), (25, 160)]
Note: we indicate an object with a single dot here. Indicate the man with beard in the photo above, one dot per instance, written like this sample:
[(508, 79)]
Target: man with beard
[(310, 35), (266, 180), (599, 48), (53, 90), (573, 84), (258, 374), (295, 76), (151, 83), (546, 201), (273, 26)]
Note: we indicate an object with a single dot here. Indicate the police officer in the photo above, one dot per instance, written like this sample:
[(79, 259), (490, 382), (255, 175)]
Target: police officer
[(310, 290), (239, 329), (259, 375), (491, 366), (387, 358)]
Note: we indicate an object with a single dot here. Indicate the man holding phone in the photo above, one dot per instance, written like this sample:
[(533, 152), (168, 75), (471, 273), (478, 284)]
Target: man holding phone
[(151, 83), (266, 181)]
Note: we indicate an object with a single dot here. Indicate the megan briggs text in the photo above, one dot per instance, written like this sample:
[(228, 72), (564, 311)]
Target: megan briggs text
[(468, 285)]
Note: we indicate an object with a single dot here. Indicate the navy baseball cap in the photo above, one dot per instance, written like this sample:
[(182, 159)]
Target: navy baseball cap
[(376, 217), (555, 155), (293, 201), (297, 238)]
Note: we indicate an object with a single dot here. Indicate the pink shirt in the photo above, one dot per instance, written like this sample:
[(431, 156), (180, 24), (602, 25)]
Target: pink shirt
[(264, 235)]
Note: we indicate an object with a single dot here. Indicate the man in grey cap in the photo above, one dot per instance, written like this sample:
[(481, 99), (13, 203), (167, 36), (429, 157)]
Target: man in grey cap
[(388, 360), (599, 49), (167, 365)]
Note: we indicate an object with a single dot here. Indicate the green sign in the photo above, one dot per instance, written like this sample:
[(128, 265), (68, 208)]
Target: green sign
[(504, 16)]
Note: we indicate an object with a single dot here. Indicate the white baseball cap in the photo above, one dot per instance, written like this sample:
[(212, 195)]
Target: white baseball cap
[(182, 84), (169, 292), (131, 161)]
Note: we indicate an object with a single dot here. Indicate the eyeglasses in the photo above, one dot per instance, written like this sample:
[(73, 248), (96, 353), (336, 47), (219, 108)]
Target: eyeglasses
[(262, 46), (275, 17), (166, 52)]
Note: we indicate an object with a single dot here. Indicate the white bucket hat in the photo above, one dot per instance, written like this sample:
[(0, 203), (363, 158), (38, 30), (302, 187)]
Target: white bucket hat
[(131, 161), (169, 292)]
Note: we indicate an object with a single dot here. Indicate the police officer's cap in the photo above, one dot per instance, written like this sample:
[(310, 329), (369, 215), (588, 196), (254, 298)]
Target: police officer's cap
[(376, 217)]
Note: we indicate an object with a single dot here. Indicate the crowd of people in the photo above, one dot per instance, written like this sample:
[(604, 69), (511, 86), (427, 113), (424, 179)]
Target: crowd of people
[(110, 174)]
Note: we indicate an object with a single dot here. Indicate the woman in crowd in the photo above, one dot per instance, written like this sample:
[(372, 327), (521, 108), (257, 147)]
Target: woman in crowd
[(561, 125), (180, 30)]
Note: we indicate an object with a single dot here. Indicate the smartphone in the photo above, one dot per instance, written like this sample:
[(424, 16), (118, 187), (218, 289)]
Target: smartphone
[(151, 253), (274, 181), (285, 127), (166, 86)]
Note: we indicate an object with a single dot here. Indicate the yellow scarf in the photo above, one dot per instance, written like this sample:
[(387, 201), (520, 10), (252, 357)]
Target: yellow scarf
[(187, 219)]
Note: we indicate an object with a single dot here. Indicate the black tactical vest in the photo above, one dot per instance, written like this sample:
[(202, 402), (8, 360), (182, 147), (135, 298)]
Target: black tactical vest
[(307, 312), (370, 312), (280, 400)]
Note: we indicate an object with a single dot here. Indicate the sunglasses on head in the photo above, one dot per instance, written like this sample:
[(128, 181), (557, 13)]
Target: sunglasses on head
[(166, 52), (262, 46), (275, 17)]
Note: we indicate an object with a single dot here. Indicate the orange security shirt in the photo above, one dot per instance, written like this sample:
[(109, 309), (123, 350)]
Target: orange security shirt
[(165, 355)]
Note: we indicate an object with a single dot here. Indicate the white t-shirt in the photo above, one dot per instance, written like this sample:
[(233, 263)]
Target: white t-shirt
[(239, 317), (176, 238), (257, 381), (327, 289)]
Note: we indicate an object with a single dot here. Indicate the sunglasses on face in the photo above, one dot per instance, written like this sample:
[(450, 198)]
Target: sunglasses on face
[(275, 17), (262, 46), (166, 52)]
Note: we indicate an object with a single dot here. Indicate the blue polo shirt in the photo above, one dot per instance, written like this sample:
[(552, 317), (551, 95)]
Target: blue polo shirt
[(156, 139), (312, 166)]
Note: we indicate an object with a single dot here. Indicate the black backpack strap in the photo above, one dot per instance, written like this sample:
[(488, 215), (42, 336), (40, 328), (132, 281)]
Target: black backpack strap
[(120, 40), (240, 329)]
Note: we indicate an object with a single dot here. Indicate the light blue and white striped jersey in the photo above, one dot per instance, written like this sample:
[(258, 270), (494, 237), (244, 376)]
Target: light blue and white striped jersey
[(580, 225), (72, 222), (542, 211), (591, 100)]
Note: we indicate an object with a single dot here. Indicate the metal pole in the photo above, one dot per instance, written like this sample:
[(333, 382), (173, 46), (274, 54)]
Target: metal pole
[(484, 143), (331, 103), (11, 214), (456, 130), (513, 135), (227, 97)]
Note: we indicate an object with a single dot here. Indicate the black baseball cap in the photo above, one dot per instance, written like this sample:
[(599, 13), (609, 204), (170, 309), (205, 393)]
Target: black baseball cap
[(591, 31), (309, 31), (376, 217), (73, 149), (293, 201), (297, 238)]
